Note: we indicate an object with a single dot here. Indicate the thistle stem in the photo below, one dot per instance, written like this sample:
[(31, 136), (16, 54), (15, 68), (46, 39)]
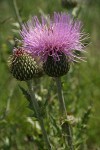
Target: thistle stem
[(17, 12), (38, 114), (66, 126)]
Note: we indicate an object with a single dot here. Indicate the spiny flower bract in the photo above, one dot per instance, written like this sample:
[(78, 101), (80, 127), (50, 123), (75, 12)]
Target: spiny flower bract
[(23, 66)]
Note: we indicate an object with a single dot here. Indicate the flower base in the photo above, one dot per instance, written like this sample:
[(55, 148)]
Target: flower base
[(56, 68)]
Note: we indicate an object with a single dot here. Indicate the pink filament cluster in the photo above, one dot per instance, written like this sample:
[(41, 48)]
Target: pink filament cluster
[(53, 36)]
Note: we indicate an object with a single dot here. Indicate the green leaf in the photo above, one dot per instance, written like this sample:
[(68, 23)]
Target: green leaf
[(28, 97)]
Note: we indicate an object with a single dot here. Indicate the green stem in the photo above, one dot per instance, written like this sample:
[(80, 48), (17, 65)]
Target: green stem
[(38, 113), (17, 12), (66, 126)]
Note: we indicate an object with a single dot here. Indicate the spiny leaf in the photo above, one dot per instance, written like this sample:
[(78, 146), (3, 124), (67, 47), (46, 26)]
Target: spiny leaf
[(25, 93), (27, 96)]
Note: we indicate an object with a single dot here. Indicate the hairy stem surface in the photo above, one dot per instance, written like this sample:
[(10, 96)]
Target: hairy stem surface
[(66, 126)]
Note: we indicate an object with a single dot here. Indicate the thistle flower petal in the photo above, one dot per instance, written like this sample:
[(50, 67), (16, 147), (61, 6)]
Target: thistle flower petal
[(53, 36)]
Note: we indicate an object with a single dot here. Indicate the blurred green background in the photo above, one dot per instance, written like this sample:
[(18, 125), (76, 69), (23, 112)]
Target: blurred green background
[(81, 85)]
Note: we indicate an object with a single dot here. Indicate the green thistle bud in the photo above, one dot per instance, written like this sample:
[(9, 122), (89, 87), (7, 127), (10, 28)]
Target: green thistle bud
[(56, 68), (70, 4), (23, 66)]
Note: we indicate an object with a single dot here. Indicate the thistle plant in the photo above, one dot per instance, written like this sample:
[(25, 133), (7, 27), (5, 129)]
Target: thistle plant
[(57, 42), (22, 66)]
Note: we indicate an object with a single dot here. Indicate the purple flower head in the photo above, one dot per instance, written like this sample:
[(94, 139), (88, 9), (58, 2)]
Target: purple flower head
[(53, 36)]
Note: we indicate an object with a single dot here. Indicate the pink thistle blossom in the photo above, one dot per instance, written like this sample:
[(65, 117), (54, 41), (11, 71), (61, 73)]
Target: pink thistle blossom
[(53, 36)]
